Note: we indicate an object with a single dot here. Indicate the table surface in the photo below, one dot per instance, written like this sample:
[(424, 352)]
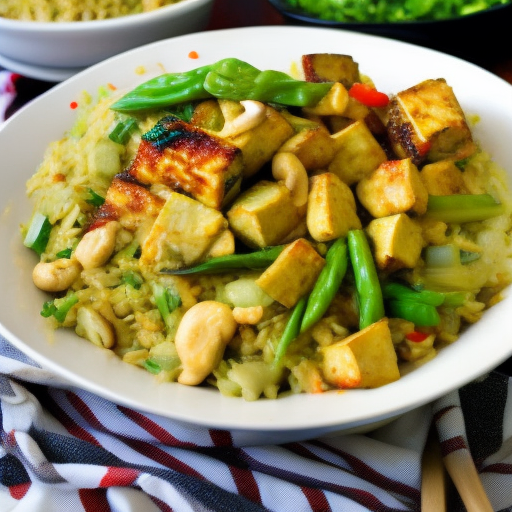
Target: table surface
[(494, 55)]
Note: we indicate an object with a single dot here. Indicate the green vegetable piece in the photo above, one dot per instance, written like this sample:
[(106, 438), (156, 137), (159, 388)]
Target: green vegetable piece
[(152, 366), (166, 301), (455, 299), (327, 284), (164, 90), (59, 308), (421, 315), (65, 253), (251, 260), (469, 256), (123, 131), (460, 208), (447, 255), (94, 198), (132, 279), (38, 233), (397, 291), (369, 292), (291, 331)]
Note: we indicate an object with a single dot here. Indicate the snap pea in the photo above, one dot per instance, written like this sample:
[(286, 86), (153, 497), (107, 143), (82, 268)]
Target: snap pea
[(230, 79), (327, 284), (369, 292), (251, 260), (291, 331)]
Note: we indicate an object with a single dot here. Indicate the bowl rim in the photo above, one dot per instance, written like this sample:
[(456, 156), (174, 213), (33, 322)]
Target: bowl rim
[(300, 15), (127, 21)]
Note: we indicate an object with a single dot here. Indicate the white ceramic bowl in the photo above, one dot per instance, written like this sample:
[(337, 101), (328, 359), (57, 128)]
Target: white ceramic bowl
[(25, 136), (83, 43)]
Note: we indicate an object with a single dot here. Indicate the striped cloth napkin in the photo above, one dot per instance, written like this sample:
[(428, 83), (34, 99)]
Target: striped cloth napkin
[(64, 448)]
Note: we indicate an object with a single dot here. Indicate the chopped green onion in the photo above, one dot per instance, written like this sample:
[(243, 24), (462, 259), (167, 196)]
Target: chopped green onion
[(123, 131), (94, 199), (65, 253), (151, 366), (38, 233), (59, 308), (166, 301), (132, 279)]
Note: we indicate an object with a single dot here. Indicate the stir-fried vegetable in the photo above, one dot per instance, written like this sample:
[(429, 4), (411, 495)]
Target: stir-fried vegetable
[(291, 331), (38, 233), (382, 11), (463, 207), (231, 79)]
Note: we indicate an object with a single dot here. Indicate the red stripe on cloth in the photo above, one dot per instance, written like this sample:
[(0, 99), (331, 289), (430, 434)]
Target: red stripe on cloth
[(439, 414), (164, 436), (499, 468), (316, 499), (246, 483), (19, 491), (160, 504), (68, 423), (221, 437), (94, 500), (83, 409), (452, 445), (119, 477)]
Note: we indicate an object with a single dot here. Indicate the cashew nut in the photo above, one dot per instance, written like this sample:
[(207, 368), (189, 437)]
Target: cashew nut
[(204, 331), (288, 168), (94, 327), (251, 315), (254, 114), (56, 276), (97, 245)]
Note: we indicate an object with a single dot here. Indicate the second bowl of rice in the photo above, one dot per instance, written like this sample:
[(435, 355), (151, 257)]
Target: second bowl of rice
[(65, 34)]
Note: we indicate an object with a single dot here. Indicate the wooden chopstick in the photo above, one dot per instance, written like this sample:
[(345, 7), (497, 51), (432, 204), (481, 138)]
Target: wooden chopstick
[(433, 479)]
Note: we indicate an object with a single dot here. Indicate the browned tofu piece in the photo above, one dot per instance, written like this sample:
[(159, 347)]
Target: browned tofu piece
[(334, 103), (426, 123), (394, 187), (314, 147), (358, 153), (129, 203), (443, 178), (331, 208), (293, 274), (366, 359), (264, 214), (189, 160), (330, 67), (397, 241), (259, 144), (208, 116)]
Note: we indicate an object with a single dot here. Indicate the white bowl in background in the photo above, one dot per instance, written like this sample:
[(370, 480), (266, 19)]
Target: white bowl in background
[(25, 136), (83, 43)]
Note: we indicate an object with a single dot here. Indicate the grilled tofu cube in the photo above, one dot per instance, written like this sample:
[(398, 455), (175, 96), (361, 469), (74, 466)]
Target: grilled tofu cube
[(394, 187), (314, 147), (357, 155), (443, 178), (426, 123), (182, 234), (129, 203), (293, 274), (190, 160), (331, 208), (397, 241), (264, 214), (366, 359), (330, 67), (259, 144), (334, 103)]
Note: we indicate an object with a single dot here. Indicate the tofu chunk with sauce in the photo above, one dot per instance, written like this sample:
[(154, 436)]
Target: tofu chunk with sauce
[(397, 241), (189, 160), (357, 153), (293, 274), (427, 123), (264, 214), (366, 359), (330, 67), (259, 144), (443, 178), (183, 234), (331, 208), (394, 187)]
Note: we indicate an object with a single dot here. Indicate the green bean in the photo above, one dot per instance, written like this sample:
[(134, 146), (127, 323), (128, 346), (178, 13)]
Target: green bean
[(461, 208), (230, 79), (327, 284), (291, 331), (421, 315), (397, 291), (369, 293), (251, 260), (164, 90)]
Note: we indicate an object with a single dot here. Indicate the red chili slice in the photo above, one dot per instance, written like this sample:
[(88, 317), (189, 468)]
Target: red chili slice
[(417, 337), (368, 96)]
